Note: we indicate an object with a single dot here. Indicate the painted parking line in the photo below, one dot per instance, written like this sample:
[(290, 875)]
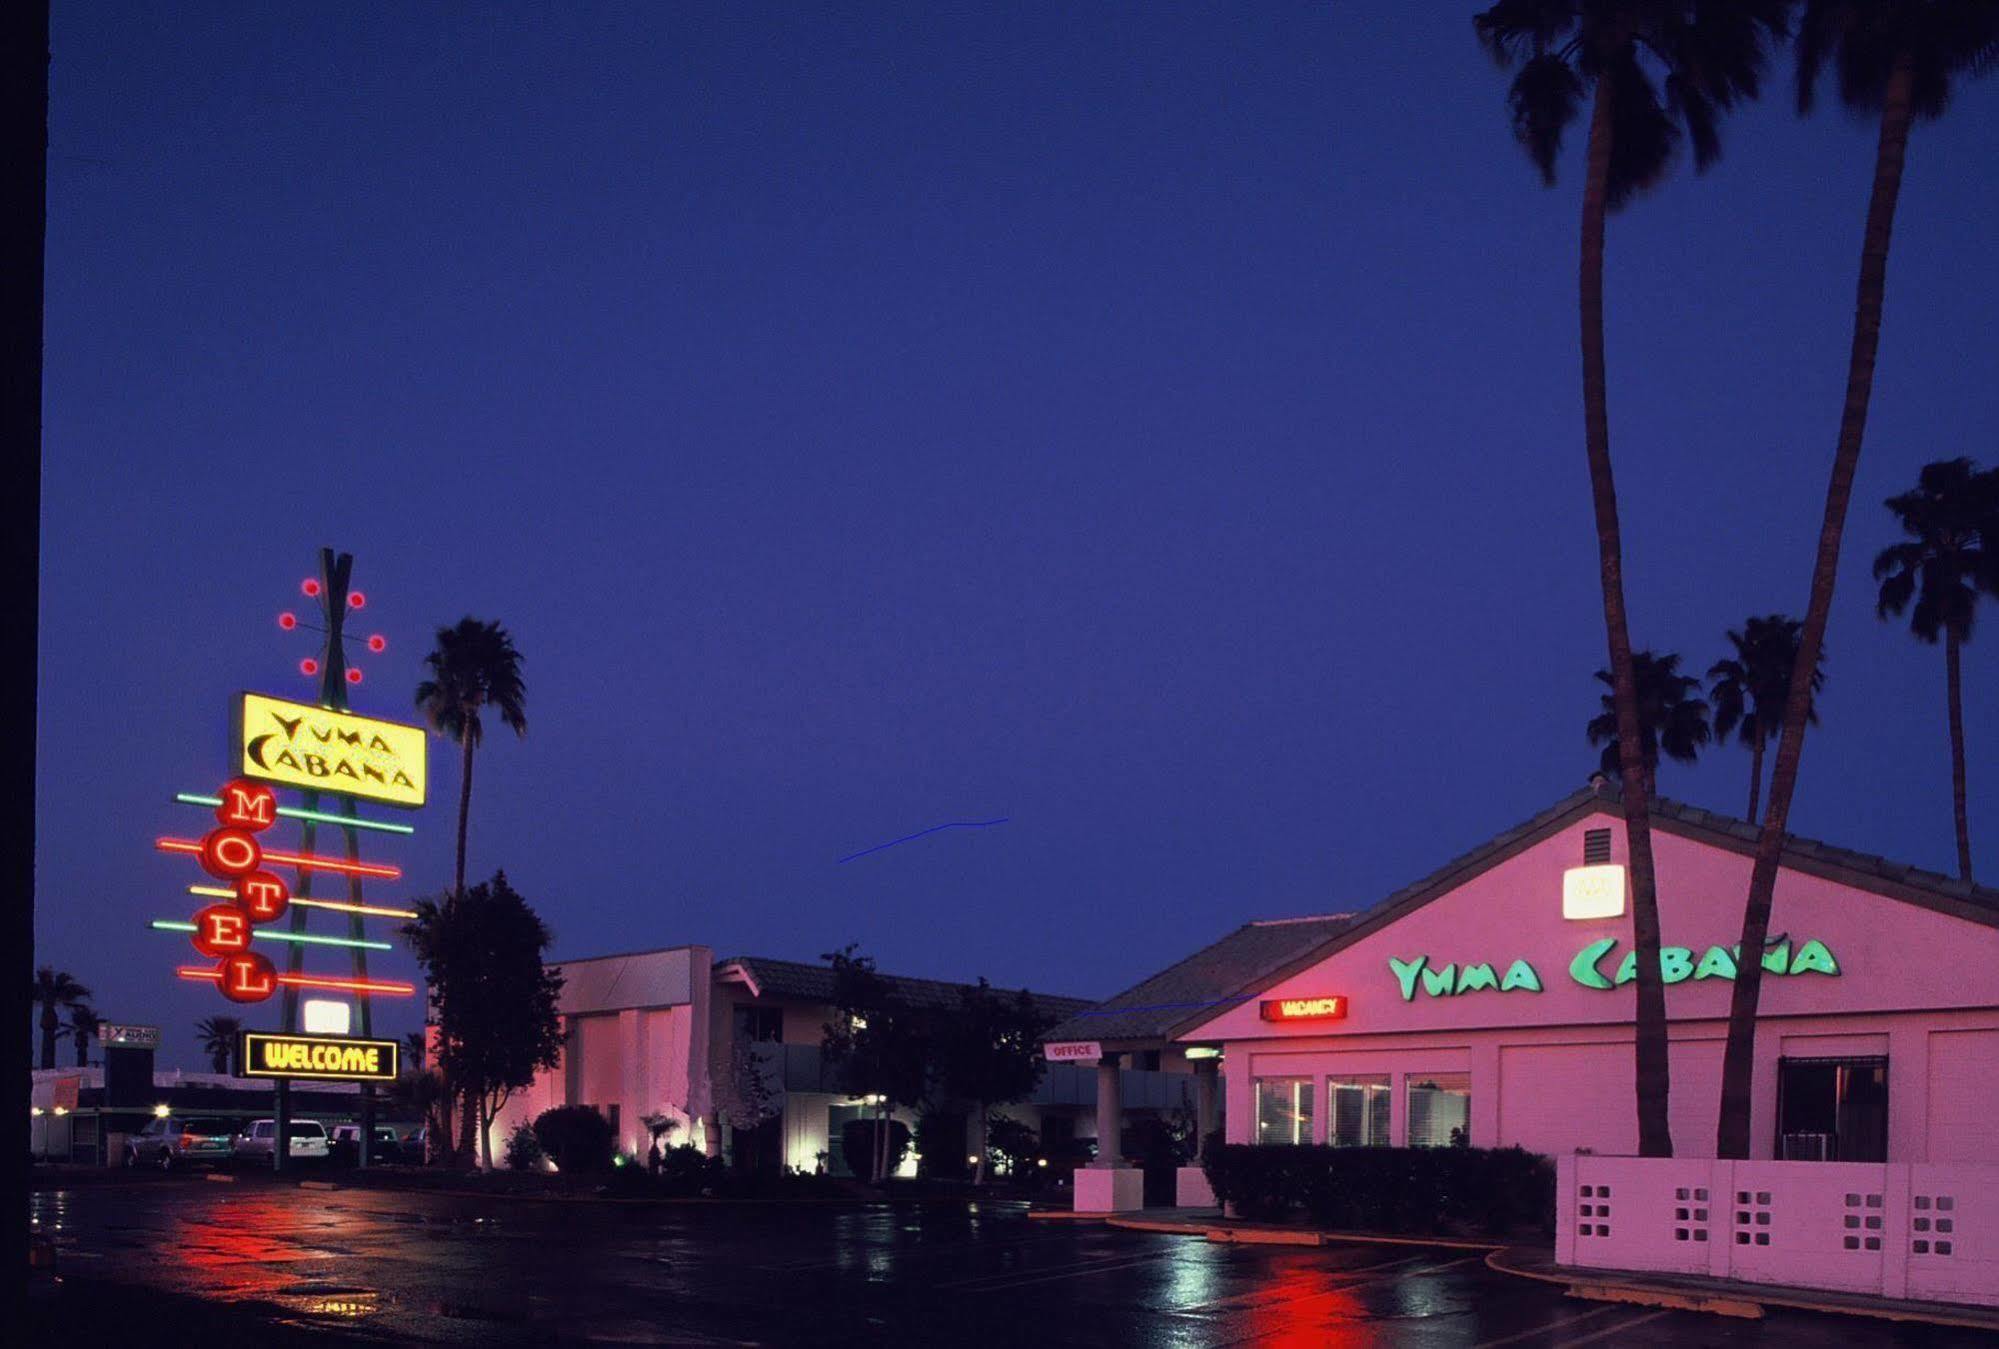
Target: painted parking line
[(1006, 1282), (1617, 1329), (1545, 1328)]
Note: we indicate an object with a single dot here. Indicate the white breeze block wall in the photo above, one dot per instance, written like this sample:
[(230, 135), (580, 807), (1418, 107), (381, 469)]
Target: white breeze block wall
[(1896, 1230)]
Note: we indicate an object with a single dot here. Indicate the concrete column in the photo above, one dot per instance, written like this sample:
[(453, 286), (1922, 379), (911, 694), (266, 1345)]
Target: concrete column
[(1110, 1114), (1206, 1073)]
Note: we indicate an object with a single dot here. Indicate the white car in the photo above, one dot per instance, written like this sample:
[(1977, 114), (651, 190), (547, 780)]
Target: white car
[(307, 1138)]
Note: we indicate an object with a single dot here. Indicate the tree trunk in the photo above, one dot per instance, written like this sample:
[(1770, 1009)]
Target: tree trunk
[(49, 1027), (83, 1041), (1738, 1061), (468, 1120), (979, 1171), (464, 814), (485, 1134), (1953, 647), (1653, 1073), (1755, 774)]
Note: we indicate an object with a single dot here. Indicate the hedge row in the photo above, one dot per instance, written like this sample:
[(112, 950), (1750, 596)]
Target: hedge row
[(1429, 1191)]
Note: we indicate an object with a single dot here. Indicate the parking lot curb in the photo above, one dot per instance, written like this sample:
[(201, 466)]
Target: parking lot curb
[(317, 1185), (220, 1178), (1063, 1215), (1287, 1236), (1601, 1286)]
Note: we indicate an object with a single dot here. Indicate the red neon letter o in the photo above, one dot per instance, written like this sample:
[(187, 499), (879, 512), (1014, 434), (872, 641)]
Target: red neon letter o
[(229, 853)]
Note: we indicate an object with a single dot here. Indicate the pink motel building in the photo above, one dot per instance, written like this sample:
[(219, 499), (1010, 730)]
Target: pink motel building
[(1490, 1004)]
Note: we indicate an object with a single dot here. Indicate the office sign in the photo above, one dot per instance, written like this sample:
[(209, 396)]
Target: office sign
[(328, 1058), (317, 749), (1074, 1051)]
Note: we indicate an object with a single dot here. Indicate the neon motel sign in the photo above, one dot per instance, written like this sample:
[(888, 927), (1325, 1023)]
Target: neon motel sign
[(1589, 968), (1328, 1007)]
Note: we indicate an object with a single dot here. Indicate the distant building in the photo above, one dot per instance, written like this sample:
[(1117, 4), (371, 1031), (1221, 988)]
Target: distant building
[(673, 1031), (73, 1117)]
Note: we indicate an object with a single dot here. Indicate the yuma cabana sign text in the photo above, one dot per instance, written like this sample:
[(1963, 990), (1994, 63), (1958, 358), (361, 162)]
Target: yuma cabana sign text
[(1590, 965)]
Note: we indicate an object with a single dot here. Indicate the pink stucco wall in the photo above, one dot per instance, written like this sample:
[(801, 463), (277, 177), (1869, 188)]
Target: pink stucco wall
[(1552, 1069)]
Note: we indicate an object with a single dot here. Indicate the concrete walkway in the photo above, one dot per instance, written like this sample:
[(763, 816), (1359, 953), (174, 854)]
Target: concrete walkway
[(1722, 1297), (1728, 1297)]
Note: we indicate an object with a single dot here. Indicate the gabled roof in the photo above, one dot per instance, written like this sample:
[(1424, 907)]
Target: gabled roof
[(1863, 871), (799, 982), (1203, 983)]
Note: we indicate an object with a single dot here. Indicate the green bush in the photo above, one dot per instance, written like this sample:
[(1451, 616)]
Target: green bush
[(1490, 1191), (940, 1146), (523, 1148), (576, 1138)]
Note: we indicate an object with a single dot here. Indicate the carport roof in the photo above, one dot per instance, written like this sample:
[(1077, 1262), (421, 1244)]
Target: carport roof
[(1204, 982), (797, 981)]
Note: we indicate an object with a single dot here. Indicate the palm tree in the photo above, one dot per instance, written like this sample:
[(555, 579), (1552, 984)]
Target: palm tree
[(1896, 60), (53, 989), (218, 1039), (83, 1023), (1749, 689), (1952, 520), (473, 667), (416, 1048), (1672, 718), (1711, 54)]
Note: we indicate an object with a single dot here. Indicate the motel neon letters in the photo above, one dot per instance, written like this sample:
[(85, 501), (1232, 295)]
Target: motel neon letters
[(1677, 964)]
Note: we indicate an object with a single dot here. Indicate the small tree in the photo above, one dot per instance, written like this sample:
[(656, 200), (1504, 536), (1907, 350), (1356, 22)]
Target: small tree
[(495, 1001), (745, 1095), (523, 1148), (879, 1047), (576, 1138), (989, 1053), (217, 1035)]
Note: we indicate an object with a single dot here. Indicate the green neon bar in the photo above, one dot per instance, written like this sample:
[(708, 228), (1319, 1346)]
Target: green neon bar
[(168, 925), (301, 813)]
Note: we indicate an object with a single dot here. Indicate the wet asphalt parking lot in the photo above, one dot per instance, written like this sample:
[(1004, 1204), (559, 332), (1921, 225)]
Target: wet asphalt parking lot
[(290, 1264)]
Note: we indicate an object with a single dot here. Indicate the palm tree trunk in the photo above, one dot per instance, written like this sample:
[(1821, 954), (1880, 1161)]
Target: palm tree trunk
[(1953, 647), (464, 814), (1738, 1061), (49, 1027), (1653, 1072), (1755, 775)]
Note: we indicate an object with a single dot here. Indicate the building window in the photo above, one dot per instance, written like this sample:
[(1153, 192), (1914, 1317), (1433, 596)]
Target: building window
[(759, 1025), (1283, 1109), (1832, 1110), (1439, 1110), (1357, 1111)]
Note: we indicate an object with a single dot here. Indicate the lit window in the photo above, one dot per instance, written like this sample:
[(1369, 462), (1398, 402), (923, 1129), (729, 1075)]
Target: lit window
[(1439, 1110), (1593, 892), (1283, 1109), (1358, 1111)]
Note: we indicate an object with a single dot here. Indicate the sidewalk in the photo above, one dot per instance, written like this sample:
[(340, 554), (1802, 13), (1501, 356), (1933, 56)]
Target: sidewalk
[(1727, 1297)]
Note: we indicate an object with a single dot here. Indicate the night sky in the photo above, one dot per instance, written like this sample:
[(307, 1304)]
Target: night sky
[(1158, 426)]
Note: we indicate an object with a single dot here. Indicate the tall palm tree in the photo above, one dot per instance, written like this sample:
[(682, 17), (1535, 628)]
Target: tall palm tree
[(1896, 60), (1951, 556), (217, 1035), (55, 989), (474, 667), (1672, 718), (83, 1024), (1749, 689), (1710, 54)]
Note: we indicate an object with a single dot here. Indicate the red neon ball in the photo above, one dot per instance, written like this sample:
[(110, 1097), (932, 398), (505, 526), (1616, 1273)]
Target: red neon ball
[(356, 600), (227, 853), (378, 643), (287, 621), (309, 588), (221, 930), (353, 676), (308, 666), (247, 805), (247, 977)]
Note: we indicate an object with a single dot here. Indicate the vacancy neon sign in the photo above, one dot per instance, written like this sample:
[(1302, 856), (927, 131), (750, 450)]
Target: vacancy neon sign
[(1330, 1007)]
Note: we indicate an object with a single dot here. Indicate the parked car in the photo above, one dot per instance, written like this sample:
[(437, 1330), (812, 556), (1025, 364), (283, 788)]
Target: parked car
[(307, 1138), (176, 1141), (387, 1145), (416, 1145)]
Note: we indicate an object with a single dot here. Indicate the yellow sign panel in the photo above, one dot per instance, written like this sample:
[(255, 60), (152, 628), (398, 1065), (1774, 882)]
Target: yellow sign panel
[(300, 745), (331, 1058)]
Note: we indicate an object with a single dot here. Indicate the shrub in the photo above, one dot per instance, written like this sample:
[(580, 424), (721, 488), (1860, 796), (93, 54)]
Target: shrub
[(1491, 1191), (1016, 1144), (940, 1147), (687, 1170), (576, 1138), (523, 1148), (857, 1136)]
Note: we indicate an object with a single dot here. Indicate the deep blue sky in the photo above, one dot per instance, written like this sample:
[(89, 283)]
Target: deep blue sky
[(1157, 425)]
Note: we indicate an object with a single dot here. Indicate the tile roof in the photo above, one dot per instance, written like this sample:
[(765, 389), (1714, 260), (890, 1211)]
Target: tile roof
[(1202, 982), (814, 983)]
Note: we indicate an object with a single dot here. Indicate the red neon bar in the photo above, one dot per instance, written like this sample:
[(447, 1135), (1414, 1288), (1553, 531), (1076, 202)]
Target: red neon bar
[(302, 861), (310, 981)]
